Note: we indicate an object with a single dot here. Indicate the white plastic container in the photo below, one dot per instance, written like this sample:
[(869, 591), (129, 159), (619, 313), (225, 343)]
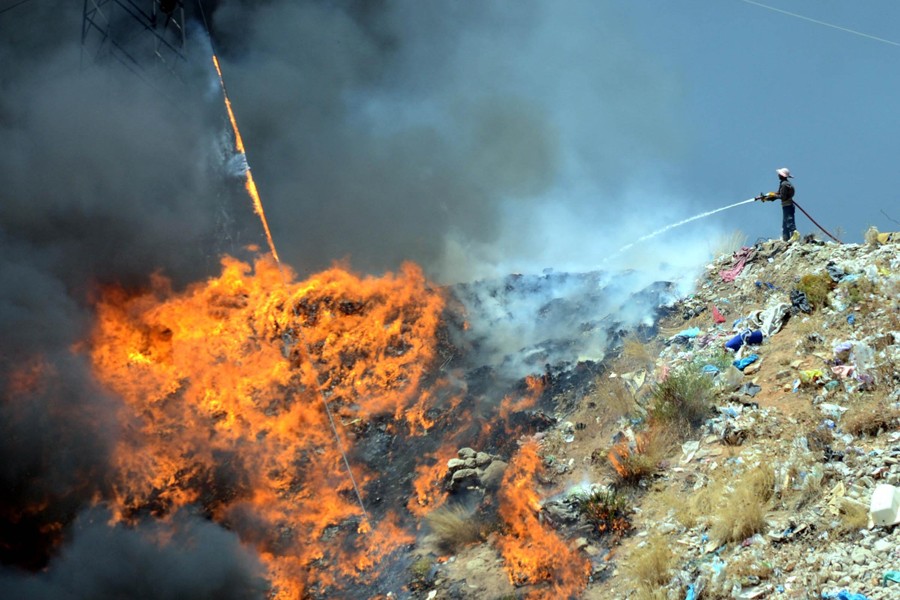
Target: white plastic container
[(885, 506)]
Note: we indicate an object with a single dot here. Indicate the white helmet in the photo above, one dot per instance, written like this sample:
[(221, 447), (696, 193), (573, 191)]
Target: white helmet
[(784, 172)]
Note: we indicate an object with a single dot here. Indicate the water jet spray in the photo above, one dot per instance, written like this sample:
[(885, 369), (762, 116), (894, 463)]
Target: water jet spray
[(674, 225)]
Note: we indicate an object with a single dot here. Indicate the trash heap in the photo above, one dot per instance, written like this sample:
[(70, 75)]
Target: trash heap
[(802, 342)]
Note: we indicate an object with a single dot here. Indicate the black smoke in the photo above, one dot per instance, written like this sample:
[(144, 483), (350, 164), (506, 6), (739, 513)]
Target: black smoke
[(378, 131), (186, 557)]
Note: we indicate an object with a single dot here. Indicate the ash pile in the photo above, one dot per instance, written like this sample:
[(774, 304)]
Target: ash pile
[(526, 324)]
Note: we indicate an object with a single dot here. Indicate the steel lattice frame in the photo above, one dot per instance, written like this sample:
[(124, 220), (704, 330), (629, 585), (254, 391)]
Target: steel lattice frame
[(140, 40)]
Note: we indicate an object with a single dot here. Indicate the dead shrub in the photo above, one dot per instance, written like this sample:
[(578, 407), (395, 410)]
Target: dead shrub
[(819, 438), (860, 293), (614, 398), (454, 526), (854, 516)]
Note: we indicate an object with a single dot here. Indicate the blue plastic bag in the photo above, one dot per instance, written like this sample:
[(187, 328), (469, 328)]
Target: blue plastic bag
[(747, 360), (845, 595)]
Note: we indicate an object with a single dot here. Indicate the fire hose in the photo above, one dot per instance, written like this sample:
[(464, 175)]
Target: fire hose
[(825, 231), (771, 196)]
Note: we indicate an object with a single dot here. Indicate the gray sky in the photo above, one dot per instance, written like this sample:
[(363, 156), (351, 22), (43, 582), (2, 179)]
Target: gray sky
[(761, 90)]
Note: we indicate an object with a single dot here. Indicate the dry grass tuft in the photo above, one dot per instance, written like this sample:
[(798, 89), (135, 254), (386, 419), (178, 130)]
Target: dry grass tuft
[(743, 569), (727, 244), (761, 482), (635, 352), (632, 461), (650, 566), (870, 418), (454, 526), (743, 513), (854, 516)]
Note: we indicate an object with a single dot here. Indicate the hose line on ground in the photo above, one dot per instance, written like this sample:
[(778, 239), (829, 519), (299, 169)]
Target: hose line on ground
[(825, 231)]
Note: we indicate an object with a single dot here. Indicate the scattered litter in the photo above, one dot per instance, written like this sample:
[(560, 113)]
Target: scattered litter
[(717, 316), (845, 595), (884, 508), (771, 320), (835, 410), (749, 389), (835, 272), (733, 378), (711, 369), (747, 360), (842, 351), (634, 380), (874, 237), (864, 357), (687, 333), (745, 337), (843, 371), (851, 319), (689, 449), (800, 301), (811, 376), (741, 258), (890, 576)]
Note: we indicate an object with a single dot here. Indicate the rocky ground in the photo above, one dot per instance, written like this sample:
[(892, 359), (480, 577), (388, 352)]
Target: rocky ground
[(768, 494)]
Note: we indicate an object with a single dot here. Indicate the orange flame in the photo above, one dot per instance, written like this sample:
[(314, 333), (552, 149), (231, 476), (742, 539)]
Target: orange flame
[(533, 552), (222, 386), (622, 451), (428, 477)]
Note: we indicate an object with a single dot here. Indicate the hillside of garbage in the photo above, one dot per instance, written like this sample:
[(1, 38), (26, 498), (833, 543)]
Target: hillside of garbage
[(746, 446)]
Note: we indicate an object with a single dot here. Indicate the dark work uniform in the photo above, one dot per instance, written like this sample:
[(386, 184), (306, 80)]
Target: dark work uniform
[(786, 193)]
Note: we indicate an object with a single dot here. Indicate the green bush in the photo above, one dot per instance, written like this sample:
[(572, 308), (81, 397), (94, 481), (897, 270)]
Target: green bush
[(606, 510), (816, 288), (683, 398)]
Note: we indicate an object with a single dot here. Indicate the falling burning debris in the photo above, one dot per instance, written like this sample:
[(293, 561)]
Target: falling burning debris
[(250, 184)]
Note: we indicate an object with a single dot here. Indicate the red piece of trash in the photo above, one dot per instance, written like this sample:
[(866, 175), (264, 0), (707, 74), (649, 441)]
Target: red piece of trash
[(717, 316)]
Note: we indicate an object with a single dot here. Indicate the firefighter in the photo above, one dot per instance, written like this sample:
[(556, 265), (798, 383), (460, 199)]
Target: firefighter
[(785, 193)]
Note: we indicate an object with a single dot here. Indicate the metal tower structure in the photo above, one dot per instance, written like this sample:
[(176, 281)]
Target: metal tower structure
[(148, 39)]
